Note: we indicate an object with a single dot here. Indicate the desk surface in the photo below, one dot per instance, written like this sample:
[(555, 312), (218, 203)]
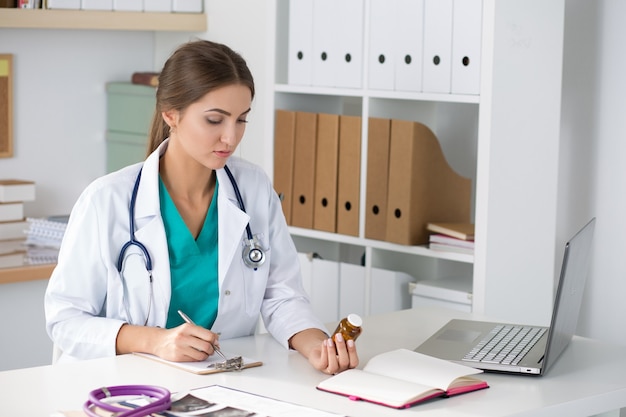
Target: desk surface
[(595, 383)]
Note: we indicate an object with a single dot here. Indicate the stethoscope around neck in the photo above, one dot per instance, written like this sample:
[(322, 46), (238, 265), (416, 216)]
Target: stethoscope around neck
[(253, 254)]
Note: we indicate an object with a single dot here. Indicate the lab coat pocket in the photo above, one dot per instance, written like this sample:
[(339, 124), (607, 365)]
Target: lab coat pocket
[(255, 279)]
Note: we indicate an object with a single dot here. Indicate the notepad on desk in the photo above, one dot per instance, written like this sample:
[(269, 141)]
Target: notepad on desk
[(402, 378), (207, 366)]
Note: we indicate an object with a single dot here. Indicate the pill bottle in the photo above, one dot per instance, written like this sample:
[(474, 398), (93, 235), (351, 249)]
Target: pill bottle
[(349, 327)]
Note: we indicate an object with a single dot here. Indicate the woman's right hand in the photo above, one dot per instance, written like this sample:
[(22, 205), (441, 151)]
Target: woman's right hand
[(185, 343)]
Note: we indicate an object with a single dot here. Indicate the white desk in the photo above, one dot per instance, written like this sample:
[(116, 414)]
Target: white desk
[(596, 383)]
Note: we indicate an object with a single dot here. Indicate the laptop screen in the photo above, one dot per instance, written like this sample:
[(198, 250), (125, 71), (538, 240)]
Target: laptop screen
[(569, 292)]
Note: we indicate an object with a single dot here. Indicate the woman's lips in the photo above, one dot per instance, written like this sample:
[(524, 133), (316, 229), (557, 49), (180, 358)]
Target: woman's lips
[(223, 154)]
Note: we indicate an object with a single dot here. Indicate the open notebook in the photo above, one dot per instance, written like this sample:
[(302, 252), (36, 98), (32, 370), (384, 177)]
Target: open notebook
[(402, 378)]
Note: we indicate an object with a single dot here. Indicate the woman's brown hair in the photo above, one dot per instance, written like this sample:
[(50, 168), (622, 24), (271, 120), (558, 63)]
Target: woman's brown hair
[(193, 70)]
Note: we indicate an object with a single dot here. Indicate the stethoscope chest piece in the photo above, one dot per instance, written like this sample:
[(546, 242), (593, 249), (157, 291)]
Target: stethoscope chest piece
[(253, 254)]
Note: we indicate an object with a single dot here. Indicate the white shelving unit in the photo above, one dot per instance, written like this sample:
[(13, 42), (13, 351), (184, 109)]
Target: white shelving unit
[(506, 140)]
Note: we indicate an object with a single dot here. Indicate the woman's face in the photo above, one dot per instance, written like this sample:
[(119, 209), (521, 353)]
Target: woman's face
[(210, 130)]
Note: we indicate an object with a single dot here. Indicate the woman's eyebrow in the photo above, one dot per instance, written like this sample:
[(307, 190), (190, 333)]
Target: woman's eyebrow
[(224, 112)]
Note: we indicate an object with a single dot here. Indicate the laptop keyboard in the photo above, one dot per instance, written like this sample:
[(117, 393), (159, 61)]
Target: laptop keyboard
[(505, 344)]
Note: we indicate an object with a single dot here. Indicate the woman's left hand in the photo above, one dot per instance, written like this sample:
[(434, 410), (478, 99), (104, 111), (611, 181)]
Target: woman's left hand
[(334, 356), (325, 354)]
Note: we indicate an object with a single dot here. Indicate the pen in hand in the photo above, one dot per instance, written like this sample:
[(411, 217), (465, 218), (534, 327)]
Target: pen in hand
[(188, 320)]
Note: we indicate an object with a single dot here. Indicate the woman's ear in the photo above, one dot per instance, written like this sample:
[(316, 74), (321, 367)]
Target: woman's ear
[(170, 117)]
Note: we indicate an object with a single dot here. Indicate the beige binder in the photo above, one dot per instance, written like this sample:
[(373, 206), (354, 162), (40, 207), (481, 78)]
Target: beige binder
[(349, 183), (304, 170), (284, 146), (377, 173), (422, 186), (326, 167)]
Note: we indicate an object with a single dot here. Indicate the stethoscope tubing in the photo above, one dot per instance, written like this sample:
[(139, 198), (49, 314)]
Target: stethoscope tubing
[(131, 223), (239, 200), (162, 400)]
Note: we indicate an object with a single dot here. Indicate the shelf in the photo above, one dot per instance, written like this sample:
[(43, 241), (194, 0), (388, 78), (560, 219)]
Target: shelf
[(398, 95), (25, 273), (103, 20), (510, 131), (381, 245)]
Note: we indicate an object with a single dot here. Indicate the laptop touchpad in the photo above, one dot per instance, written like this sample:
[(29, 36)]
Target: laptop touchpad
[(457, 335)]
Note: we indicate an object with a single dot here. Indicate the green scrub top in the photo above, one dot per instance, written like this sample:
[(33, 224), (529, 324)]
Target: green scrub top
[(193, 264)]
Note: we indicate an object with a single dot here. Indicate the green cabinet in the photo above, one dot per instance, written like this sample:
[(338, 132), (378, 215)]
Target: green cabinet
[(129, 113)]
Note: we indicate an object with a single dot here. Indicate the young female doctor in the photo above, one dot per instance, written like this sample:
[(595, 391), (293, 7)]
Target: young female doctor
[(193, 228)]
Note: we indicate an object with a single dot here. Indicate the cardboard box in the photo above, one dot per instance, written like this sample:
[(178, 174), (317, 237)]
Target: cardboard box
[(377, 178), (349, 175), (305, 146), (422, 186), (284, 142), (326, 173)]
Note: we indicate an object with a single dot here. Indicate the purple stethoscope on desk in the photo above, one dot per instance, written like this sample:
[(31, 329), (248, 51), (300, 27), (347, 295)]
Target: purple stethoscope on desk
[(161, 400)]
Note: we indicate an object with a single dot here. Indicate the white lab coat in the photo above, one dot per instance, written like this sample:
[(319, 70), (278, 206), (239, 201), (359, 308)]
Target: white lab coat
[(86, 302)]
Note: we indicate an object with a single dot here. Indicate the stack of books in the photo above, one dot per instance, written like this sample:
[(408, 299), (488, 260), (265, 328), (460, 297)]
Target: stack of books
[(13, 194), (38, 255), (12, 253), (451, 237), (44, 237)]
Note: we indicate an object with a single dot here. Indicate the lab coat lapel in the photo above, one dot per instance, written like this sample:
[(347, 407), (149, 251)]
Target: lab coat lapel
[(151, 232), (231, 226)]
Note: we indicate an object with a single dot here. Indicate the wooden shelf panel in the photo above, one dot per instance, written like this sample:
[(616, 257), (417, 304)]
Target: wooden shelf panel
[(25, 273), (102, 20)]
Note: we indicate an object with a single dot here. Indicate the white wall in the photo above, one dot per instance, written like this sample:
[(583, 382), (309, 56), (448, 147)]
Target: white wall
[(60, 106), (593, 172)]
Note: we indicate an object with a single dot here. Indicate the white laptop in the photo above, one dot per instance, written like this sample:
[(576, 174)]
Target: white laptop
[(467, 341)]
